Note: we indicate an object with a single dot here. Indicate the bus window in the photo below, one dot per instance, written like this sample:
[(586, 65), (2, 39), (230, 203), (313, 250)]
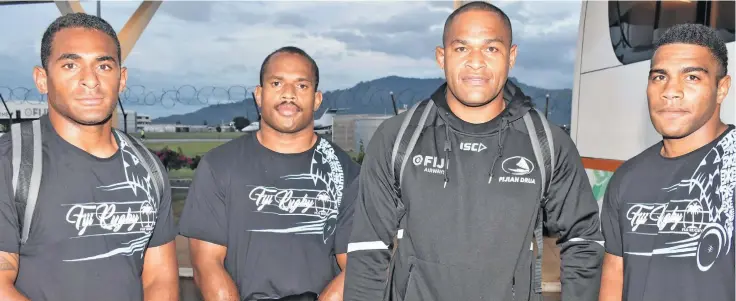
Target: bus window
[(722, 19), (631, 24), (635, 25)]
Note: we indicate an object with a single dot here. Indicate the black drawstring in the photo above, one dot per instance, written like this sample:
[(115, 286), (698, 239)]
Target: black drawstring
[(448, 149), (501, 138)]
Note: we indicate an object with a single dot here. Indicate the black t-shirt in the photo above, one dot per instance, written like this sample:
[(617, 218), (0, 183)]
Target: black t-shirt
[(283, 217), (93, 221), (672, 221)]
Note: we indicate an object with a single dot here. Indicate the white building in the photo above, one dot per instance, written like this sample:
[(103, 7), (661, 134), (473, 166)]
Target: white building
[(26, 110), (34, 110), (142, 120)]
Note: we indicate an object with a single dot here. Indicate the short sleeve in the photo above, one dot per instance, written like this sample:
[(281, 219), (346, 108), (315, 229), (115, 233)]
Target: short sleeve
[(345, 217), (165, 229), (610, 226), (205, 212), (9, 228)]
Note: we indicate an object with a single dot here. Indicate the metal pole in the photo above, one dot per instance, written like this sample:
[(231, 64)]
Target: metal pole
[(546, 106), (393, 100), (98, 9), (10, 115), (125, 116)]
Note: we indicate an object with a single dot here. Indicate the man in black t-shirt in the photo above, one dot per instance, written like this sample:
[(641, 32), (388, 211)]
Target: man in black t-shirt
[(100, 231), (668, 213), (268, 215)]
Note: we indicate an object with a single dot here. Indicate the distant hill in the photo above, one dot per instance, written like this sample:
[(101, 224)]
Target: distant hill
[(373, 97)]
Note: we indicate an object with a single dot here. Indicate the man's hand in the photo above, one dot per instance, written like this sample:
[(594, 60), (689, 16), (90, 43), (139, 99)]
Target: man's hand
[(8, 273), (161, 273), (612, 279), (333, 290), (214, 282)]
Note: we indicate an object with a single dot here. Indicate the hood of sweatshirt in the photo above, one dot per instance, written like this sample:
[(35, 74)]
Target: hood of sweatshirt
[(517, 104)]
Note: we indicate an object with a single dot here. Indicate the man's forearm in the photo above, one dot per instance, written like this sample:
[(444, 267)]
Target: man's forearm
[(612, 279), (8, 274), (581, 270), (215, 283), (333, 291), (9, 293)]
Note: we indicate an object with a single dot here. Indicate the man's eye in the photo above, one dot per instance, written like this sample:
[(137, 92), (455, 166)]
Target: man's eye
[(658, 77)]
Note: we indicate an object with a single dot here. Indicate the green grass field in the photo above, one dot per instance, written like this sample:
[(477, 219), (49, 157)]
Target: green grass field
[(189, 149), (203, 135)]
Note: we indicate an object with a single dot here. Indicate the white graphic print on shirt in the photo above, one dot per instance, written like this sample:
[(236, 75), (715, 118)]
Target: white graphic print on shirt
[(319, 203), (698, 219), (135, 217)]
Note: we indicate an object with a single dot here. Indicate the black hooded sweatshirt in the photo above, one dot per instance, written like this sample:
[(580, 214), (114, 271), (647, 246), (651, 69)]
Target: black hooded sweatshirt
[(466, 213)]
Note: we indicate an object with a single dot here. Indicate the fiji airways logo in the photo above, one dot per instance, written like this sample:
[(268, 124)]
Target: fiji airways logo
[(431, 164), (517, 166)]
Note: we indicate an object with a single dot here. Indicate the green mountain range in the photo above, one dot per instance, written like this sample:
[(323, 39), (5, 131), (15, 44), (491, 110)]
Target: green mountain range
[(374, 97)]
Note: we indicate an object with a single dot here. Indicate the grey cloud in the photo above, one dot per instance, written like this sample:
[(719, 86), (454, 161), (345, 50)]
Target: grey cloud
[(196, 11), (235, 69), (409, 35), (292, 19), (413, 45), (224, 39), (418, 21), (548, 52)]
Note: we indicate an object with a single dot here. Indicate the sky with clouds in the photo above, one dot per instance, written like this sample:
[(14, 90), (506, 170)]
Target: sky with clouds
[(222, 43)]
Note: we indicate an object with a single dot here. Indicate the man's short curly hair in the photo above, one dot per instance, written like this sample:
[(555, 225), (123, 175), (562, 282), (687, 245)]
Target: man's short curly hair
[(477, 6), (75, 20), (701, 35), (291, 50)]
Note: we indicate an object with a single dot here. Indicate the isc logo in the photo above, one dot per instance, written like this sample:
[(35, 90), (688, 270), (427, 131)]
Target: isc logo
[(473, 147)]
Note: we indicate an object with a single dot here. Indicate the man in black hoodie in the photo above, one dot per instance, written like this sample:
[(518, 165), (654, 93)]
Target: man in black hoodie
[(457, 220)]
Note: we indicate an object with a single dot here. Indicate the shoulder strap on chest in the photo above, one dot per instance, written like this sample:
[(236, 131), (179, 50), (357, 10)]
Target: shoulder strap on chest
[(543, 145), (27, 166), (409, 132), (148, 160)]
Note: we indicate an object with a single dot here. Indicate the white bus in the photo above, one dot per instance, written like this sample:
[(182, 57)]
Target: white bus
[(610, 120)]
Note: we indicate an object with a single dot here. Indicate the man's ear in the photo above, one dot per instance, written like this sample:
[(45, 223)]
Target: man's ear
[(41, 80), (512, 57), (722, 90), (439, 55), (123, 79), (259, 90), (317, 100)]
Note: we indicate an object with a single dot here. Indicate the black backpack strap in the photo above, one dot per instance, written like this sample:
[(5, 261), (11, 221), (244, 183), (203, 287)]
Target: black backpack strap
[(27, 168), (543, 145), (404, 144), (148, 160)]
